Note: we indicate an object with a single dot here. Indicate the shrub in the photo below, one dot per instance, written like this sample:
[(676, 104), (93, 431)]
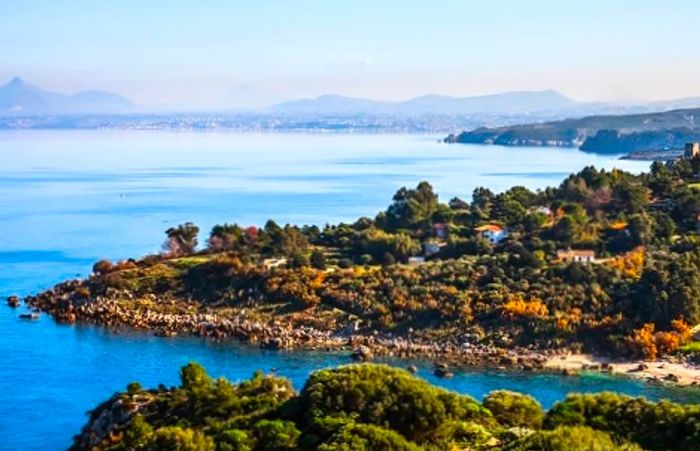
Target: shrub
[(569, 438), (318, 259), (382, 395), (460, 435), (102, 267), (518, 307), (174, 438), (276, 435), (367, 437), (514, 409)]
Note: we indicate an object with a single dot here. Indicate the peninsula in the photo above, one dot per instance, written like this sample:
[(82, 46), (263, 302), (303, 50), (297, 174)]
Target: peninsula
[(637, 134), (606, 263)]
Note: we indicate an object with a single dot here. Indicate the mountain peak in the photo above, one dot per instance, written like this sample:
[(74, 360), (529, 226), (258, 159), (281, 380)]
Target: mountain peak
[(508, 102), (16, 81), (18, 97)]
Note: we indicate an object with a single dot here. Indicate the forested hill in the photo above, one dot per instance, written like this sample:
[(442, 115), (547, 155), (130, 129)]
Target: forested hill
[(374, 407), (602, 134)]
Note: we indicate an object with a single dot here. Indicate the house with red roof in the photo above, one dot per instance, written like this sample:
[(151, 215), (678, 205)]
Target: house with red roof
[(494, 233)]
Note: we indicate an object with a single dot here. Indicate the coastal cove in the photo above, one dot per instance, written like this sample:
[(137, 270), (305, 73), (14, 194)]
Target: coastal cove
[(84, 364), (62, 211)]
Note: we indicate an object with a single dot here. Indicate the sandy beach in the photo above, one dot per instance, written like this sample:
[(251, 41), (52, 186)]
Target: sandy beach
[(653, 371)]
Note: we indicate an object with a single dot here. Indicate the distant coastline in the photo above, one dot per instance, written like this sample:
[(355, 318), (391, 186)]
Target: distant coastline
[(652, 136)]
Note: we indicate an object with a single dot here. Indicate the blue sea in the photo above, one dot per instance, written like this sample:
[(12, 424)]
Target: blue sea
[(68, 198)]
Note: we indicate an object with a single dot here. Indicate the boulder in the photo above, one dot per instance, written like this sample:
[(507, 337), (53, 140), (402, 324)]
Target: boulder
[(443, 373), (568, 372), (670, 377), (362, 353), (13, 301)]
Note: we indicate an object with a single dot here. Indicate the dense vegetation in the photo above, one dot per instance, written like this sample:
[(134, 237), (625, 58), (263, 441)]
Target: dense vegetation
[(601, 134), (640, 297), (371, 407)]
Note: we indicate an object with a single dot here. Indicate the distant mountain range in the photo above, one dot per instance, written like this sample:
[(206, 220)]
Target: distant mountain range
[(20, 98), (509, 102)]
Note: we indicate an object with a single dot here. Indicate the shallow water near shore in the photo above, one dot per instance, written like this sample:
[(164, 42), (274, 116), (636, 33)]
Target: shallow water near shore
[(53, 374), (70, 198)]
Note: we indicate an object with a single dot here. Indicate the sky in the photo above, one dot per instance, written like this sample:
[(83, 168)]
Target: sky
[(220, 54)]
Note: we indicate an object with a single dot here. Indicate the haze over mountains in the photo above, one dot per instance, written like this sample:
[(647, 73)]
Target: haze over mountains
[(509, 102), (19, 98)]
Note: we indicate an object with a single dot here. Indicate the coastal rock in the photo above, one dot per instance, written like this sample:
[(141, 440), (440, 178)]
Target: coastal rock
[(363, 353), (443, 373), (640, 367), (29, 316), (13, 301), (440, 366), (670, 377)]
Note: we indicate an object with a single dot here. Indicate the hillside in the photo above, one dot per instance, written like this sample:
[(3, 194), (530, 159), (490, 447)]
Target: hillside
[(18, 97), (374, 407), (601, 134), (499, 280), (503, 103)]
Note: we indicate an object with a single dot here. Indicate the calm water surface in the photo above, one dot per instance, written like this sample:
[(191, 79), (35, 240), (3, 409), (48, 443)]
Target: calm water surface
[(70, 198)]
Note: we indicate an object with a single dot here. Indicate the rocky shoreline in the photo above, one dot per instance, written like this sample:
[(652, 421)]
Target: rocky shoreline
[(67, 303), (61, 303)]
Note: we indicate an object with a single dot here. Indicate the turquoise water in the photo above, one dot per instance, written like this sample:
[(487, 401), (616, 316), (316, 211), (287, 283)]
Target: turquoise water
[(69, 198)]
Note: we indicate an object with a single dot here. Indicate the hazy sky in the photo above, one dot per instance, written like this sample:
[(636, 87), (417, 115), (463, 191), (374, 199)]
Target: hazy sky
[(233, 53)]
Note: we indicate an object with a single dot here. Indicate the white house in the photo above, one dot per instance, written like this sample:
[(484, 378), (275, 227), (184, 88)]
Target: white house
[(543, 210), (415, 261), (270, 263), (493, 232), (432, 248), (573, 255)]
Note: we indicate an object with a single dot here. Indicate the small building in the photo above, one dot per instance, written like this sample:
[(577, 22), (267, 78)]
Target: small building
[(432, 248), (665, 204), (544, 210), (270, 263), (415, 261), (440, 230), (492, 232), (692, 150), (576, 255), (618, 226)]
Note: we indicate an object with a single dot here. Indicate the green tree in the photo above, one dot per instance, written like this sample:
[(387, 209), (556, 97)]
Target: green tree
[(182, 240), (412, 208), (195, 379), (174, 438), (630, 196), (514, 409), (225, 237), (576, 438), (367, 437), (381, 395), (670, 288), (276, 435), (318, 259)]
